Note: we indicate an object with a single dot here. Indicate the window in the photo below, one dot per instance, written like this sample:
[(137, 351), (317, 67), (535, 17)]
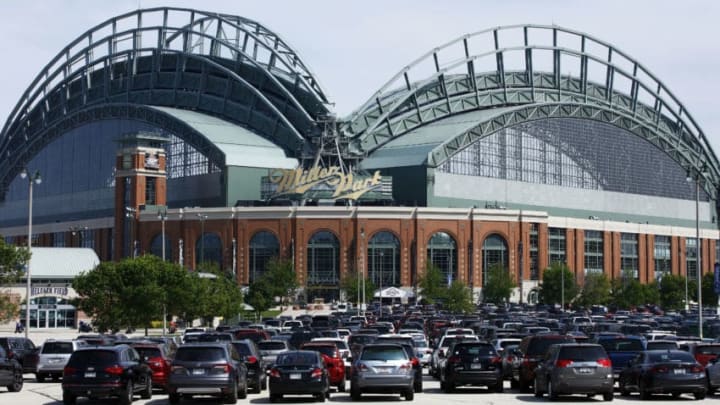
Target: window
[(534, 273), (442, 252), (156, 246), (691, 253), (629, 255), (59, 239), (208, 248), (323, 259), (151, 190), (263, 246), (494, 252), (662, 256), (557, 249), (384, 260), (593, 252)]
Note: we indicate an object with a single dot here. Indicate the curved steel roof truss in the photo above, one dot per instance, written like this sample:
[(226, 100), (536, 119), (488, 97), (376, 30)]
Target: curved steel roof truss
[(403, 103)]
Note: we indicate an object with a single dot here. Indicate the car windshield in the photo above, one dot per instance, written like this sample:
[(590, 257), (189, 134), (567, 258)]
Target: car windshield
[(538, 347), (383, 353), (92, 358), (622, 345), (296, 358), (588, 353), (674, 357), (242, 348), (270, 345), (326, 350), (148, 352), (474, 350), (200, 354), (362, 339), (57, 348), (708, 350)]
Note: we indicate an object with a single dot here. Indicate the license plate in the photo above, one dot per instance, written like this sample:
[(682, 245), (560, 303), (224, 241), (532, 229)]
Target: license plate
[(679, 371), (585, 370), (89, 375), (295, 376), (616, 376), (383, 370), (198, 371), (55, 361), (476, 367)]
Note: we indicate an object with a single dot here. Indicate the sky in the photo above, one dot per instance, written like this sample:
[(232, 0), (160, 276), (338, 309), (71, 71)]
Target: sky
[(354, 47)]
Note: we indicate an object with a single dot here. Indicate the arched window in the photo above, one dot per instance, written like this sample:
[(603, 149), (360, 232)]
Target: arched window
[(263, 246), (442, 252), (208, 249), (323, 260), (383, 259), (494, 251), (156, 247)]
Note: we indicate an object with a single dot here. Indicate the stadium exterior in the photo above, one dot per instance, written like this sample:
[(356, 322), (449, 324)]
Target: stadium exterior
[(519, 145)]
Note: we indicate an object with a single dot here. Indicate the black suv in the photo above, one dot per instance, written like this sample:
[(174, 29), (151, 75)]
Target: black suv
[(108, 371), (23, 350), (530, 352), (208, 369), (11, 375), (256, 376)]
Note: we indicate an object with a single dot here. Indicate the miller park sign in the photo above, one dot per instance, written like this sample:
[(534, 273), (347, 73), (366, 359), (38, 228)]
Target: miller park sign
[(341, 185)]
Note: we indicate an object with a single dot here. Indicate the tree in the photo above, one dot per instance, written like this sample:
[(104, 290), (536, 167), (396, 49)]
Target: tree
[(280, 275), (433, 284), (595, 290), (458, 298), (627, 292), (13, 260), (498, 286), (551, 290), (259, 296), (672, 291), (353, 288), (708, 289), (100, 295)]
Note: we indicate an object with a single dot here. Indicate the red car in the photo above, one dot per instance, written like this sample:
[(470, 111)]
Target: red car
[(704, 353), (157, 357), (333, 362)]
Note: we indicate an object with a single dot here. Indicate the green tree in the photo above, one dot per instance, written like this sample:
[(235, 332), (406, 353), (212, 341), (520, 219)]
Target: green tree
[(551, 290), (458, 298), (627, 292), (280, 274), (100, 295), (353, 287), (651, 293), (672, 291), (708, 290), (498, 286), (595, 290), (13, 260), (433, 284)]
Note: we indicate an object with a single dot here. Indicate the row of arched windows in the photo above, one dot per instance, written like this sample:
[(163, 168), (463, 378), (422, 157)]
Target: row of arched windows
[(323, 255)]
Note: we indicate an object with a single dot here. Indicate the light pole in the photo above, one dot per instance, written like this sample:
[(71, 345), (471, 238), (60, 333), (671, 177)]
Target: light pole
[(78, 230), (162, 216), (202, 218), (362, 266), (698, 251), (130, 214), (32, 179), (562, 289), (382, 254)]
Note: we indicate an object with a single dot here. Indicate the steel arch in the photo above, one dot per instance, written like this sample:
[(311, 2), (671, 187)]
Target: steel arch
[(403, 103)]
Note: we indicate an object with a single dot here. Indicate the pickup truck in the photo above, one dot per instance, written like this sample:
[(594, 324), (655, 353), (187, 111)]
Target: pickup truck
[(621, 350)]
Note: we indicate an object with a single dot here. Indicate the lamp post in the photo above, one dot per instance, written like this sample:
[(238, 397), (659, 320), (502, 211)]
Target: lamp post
[(78, 230), (162, 216), (32, 179), (698, 251), (562, 289), (130, 214), (382, 254), (362, 266), (202, 218)]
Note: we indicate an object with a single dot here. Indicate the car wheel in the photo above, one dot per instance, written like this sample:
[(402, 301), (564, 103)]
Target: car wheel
[(17, 384), (644, 393), (320, 397), (341, 387), (147, 392), (409, 395), (524, 385), (232, 397), (69, 399), (263, 384), (449, 387), (623, 389), (710, 388), (608, 396), (126, 397), (552, 395), (699, 395), (536, 390), (275, 397), (40, 377), (242, 394), (258, 386), (676, 394), (174, 398), (499, 387), (355, 393)]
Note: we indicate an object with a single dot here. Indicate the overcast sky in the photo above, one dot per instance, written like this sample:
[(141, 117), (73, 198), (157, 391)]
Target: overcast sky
[(354, 47)]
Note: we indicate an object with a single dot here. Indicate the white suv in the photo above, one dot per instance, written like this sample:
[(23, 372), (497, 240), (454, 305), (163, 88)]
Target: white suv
[(53, 356)]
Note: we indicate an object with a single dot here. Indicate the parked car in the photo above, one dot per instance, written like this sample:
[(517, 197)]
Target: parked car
[(574, 368), (407, 342), (299, 372), (53, 356), (11, 373), (471, 363), (713, 376), (530, 352), (382, 368), (621, 350), (159, 358), (661, 345), (704, 352), (23, 350), (256, 376), (269, 349), (439, 351), (344, 351), (208, 369), (663, 372), (107, 371), (509, 360), (333, 360)]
